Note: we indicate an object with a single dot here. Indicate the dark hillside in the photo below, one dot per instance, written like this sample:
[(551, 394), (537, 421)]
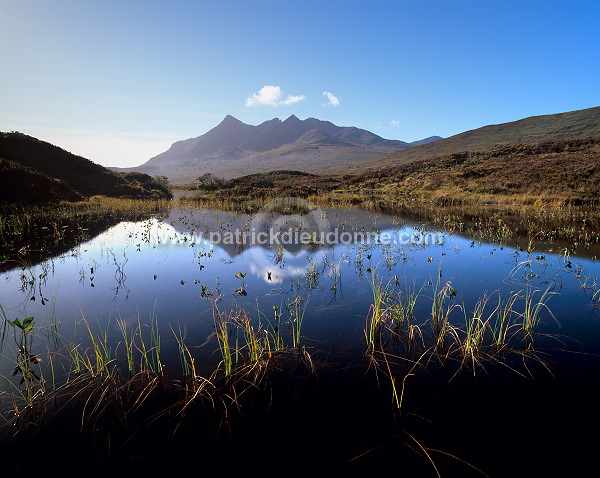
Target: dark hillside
[(76, 175), (26, 185)]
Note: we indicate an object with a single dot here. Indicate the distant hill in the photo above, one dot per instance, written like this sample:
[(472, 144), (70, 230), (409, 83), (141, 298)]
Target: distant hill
[(34, 171), (233, 149), (562, 126), (557, 170)]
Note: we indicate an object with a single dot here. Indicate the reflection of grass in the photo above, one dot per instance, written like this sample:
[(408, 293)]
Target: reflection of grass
[(41, 230), (596, 296)]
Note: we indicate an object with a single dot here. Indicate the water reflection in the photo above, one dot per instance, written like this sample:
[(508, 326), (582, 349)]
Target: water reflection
[(167, 268)]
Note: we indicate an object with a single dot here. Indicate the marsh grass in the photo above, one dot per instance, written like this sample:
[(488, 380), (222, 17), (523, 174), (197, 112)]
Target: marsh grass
[(128, 344), (493, 331), (101, 398), (476, 325), (139, 356), (531, 314), (442, 305), (403, 310), (112, 381), (222, 332), (96, 361), (503, 325), (90, 385), (81, 373), (297, 309), (500, 217), (246, 349), (275, 331), (378, 315), (188, 364)]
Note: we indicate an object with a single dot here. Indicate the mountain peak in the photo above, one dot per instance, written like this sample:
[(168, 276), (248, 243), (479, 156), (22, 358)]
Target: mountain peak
[(230, 120), (292, 119)]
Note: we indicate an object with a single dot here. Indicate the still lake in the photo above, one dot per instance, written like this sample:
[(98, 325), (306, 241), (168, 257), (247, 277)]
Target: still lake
[(175, 268)]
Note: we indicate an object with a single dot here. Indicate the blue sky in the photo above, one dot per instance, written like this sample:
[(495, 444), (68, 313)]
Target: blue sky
[(119, 81)]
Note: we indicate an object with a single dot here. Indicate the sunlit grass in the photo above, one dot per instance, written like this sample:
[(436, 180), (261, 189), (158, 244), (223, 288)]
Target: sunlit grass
[(502, 325), (377, 314), (532, 313), (490, 332)]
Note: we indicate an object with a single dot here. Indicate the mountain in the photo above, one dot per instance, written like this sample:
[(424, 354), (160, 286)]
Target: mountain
[(578, 124), (225, 140), (233, 149), (36, 171)]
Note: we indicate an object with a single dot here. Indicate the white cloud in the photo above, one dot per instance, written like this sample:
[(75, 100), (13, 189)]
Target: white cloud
[(291, 99), (333, 100), (395, 123), (271, 96)]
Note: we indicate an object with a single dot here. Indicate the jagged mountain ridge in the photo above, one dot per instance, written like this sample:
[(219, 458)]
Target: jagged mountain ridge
[(234, 148)]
